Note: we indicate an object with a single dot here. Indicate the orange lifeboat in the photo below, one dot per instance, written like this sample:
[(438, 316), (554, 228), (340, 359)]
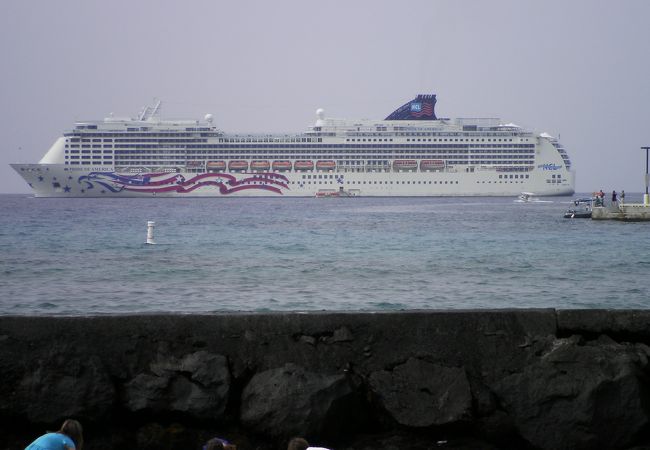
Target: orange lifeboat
[(238, 164), (325, 165), (303, 165), (432, 164), (281, 165), (405, 164), (216, 165), (260, 165)]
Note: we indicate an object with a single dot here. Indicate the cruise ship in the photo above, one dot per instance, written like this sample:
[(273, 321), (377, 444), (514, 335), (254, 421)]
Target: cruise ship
[(409, 153)]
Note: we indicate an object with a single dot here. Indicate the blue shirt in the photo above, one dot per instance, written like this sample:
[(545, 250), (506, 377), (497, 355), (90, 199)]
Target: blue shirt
[(51, 441)]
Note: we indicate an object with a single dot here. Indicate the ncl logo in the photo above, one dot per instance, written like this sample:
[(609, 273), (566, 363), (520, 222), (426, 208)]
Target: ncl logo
[(416, 107), (549, 167)]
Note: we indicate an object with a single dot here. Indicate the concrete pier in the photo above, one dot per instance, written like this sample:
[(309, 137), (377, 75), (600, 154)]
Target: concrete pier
[(626, 212)]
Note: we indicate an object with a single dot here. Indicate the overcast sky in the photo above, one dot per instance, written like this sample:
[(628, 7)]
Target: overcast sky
[(579, 69)]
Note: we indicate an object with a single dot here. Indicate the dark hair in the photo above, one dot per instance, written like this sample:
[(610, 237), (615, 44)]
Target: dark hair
[(214, 444), (298, 443), (74, 431)]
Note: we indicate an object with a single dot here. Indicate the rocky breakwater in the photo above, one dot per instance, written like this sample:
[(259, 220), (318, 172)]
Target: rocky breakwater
[(538, 379)]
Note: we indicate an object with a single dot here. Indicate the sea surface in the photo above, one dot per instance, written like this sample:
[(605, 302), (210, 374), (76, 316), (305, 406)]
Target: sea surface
[(87, 256)]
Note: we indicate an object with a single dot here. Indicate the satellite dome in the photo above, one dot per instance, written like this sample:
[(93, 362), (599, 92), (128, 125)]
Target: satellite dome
[(320, 113), (208, 118)]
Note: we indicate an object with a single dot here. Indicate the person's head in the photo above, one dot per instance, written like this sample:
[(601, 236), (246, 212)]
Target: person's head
[(74, 431), (298, 443), (214, 444)]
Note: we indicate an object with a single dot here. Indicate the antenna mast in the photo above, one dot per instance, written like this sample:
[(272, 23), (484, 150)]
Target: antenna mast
[(150, 111)]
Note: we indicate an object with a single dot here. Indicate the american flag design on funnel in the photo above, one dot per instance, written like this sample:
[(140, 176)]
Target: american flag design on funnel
[(421, 107)]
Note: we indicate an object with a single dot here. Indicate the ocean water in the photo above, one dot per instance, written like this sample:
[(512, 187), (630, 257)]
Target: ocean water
[(87, 256)]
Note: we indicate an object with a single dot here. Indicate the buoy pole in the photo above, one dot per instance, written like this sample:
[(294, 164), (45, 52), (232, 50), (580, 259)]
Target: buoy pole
[(150, 226)]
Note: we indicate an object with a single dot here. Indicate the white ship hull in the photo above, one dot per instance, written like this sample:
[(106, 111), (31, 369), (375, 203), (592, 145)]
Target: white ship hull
[(56, 180)]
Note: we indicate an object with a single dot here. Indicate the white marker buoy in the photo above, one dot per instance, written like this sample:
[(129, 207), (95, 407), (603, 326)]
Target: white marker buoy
[(150, 225)]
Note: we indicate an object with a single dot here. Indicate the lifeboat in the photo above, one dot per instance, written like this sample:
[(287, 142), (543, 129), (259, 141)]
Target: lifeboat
[(303, 165), (281, 165), (260, 165), (405, 164), (432, 164), (216, 165), (325, 165), (238, 164)]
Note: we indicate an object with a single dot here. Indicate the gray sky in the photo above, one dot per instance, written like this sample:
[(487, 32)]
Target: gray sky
[(576, 68)]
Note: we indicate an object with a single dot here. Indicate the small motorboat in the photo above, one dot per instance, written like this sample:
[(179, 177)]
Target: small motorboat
[(526, 196), (329, 193), (529, 197), (581, 209)]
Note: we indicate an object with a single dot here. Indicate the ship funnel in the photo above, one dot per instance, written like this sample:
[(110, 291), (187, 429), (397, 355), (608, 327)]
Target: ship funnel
[(421, 107)]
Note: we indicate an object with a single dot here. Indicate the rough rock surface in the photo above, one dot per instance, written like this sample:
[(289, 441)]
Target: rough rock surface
[(421, 394), (575, 395), (64, 385), (197, 384), (512, 379), (291, 401)]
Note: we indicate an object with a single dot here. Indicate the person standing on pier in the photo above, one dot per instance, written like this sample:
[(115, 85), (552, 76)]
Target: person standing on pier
[(613, 198), (622, 197)]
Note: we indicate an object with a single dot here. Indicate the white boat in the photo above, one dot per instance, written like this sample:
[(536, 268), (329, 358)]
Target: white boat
[(411, 152), (529, 197)]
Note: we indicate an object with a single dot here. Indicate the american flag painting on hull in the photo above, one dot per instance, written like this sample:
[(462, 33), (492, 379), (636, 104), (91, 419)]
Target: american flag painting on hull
[(151, 183)]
